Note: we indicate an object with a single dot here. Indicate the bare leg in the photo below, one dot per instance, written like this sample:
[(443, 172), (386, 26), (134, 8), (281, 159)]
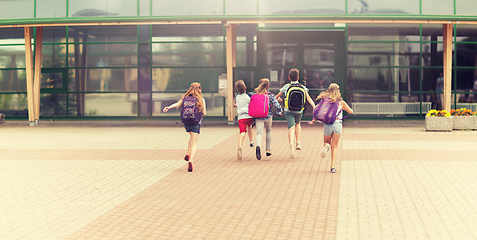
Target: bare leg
[(250, 134), (241, 137), (335, 138), (192, 145), (291, 134), (298, 132)]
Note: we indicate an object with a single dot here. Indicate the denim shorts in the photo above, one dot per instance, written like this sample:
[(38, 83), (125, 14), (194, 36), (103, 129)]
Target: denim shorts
[(292, 118), (195, 128), (334, 128)]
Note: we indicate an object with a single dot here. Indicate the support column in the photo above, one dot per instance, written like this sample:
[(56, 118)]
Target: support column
[(37, 79), (231, 45), (29, 76), (447, 59)]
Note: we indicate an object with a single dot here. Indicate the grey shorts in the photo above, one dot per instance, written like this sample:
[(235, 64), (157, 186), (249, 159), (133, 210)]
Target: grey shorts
[(335, 128), (293, 118)]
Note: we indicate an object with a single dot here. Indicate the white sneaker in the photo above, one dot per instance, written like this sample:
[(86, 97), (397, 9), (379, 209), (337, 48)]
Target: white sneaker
[(325, 150), (239, 153), (291, 150)]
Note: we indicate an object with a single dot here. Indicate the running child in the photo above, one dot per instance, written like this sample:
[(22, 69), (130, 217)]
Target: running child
[(245, 122), (193, 108), (332, 132)]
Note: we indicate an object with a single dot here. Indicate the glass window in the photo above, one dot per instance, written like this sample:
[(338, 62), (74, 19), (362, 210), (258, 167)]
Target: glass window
[(100, 104), (387, 104), (430, 79), (248, 78), (144, 7), (214, 103), (282, 54), (432, 32), (50, 8), (17, 9), (195, 32), (384, 32), (53, 104), (465, 7), (12, 80), (203, 7), (14, 105), (384, 7), (302, 7), (103, 55), (278, 77), (246, 54), (12, 36), (54, 34), (466, 55), (385, 79), (432, 54), (383, 54), (106, 8), (247, 32), (12, 56), (244, 7), (188, 54), (434, 7), (103, 79), (319, 54), (103, 34), (179, 79), (318, 79), (465, 79), (53, 56)]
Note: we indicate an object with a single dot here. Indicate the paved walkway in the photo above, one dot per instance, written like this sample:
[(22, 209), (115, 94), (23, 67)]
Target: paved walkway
[(127, 180)]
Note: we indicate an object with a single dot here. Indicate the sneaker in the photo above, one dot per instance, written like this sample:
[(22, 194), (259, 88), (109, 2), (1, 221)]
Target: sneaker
[(187, 157), (257, 153), (239, 153), (333, 170), (190, 168), (290, 150), (298, 147), (251, 144), (325, 150), (269, 154)]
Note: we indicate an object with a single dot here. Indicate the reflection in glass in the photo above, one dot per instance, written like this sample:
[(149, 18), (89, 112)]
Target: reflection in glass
[(466, 54), (179, 79), (301, 7), (14, 105), (102, 34), (246, 54), (53, 56), (278, 77), (188, 54), (384, 7), (12, 36), (12, 80), (97, 104), (50, 8), (434, 7), (248, 78), (102, 8), (169, 8), (385, 79), (317, 54), (12, 56), (383, 54), (103, 55), (17, 9), (51, 80), (54, 34), (466, 79), (53, 104), (318, 79), (432, 54), (384, 32), (103, 79), (214, 103), (282, 54)]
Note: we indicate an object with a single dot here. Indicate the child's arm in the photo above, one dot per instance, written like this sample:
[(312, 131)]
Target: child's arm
[(312, 121), (345, 107), (308, 98), (175, 105)]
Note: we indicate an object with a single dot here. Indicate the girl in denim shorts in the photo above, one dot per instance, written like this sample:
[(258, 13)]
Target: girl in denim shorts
[(332, 132), (193, 130)]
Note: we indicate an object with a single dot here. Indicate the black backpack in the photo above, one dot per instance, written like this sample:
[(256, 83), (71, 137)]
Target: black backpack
[(295, 98)]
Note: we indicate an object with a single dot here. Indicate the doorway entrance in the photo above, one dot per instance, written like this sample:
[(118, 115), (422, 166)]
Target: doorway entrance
[(319, 56)]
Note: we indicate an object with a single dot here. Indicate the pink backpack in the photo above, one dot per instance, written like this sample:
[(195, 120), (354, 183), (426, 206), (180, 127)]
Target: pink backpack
[(258, 107)]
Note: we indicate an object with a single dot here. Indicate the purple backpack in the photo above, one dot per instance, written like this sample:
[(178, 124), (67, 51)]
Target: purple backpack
[(326, 111), (190, 113)]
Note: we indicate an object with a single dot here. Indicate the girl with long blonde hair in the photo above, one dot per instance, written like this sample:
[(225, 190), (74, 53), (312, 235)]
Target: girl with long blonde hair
[(195, 90), (332, 132), (266, 122)]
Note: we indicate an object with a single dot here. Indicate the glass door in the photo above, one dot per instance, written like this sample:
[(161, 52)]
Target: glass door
[(53, 92), (319, 56)]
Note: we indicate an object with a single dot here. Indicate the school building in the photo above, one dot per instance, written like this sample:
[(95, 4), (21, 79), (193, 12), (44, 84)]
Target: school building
[(127, 59)]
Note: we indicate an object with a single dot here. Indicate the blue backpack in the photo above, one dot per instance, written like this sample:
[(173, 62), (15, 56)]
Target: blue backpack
[(190, 113)]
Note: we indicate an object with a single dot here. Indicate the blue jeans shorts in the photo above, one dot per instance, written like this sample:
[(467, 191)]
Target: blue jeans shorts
[(335, 128), (195, 128)]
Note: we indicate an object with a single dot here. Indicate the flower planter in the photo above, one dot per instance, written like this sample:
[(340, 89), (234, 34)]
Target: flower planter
[(439, 124), (463, 122), (475, 122)]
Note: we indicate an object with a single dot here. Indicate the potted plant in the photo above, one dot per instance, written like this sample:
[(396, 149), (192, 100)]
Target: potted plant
[(439, 120), (474, 114), (462, 119)]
